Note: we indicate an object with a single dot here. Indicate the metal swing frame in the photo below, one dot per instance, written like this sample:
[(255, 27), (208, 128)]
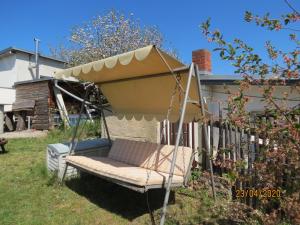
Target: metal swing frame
[(73, 143), (192, 72)]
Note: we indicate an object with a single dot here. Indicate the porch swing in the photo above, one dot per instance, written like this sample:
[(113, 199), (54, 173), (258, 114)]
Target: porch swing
[(140, 84)]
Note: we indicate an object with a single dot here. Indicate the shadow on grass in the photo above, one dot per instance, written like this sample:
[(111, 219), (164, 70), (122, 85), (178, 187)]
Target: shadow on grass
[(117, 199)]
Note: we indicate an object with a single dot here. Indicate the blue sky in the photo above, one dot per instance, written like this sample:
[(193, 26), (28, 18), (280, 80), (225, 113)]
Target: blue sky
[(179, 21)]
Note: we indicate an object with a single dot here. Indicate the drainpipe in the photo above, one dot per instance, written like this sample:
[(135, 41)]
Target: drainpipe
[(1, 119), (37, 71)]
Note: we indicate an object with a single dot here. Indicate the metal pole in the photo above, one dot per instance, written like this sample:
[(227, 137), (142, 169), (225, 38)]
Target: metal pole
[(37, 72), (182, 114), (103, 117), (71, 146), (205, 134), (74, 96), (1, 119)]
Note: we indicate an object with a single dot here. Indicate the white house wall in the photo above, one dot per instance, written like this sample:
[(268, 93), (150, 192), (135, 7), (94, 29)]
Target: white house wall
[(24, 72), (215, 94), (218, 94), (15, 68), (7, 97), (7, 71)]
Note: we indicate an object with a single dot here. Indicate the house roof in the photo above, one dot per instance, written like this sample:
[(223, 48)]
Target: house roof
[(43, 78), (12, 50), (214, 79)]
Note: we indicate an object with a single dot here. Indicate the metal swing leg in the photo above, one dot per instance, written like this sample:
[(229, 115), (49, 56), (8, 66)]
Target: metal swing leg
[(181, 120), (103, 118), (208, 149), (64, 174), (71, 146), (193, 71)]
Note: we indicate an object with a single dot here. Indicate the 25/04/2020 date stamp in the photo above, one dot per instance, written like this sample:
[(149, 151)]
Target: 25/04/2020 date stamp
[(258, 193)]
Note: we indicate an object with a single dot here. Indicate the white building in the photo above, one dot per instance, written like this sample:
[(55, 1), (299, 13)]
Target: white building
[(17, 65)]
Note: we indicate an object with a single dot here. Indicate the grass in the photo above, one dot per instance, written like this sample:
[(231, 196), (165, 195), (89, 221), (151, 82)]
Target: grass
[(29, 195)]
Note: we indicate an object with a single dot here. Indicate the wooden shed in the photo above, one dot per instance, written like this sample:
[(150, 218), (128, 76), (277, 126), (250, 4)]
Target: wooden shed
[(36, 103)]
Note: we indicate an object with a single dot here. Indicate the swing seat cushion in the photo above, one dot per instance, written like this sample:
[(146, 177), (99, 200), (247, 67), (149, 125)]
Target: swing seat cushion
[(138, 163), (113, 169)]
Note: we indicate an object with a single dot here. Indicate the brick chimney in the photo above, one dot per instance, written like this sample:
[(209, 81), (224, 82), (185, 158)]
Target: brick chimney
[(202, 58)]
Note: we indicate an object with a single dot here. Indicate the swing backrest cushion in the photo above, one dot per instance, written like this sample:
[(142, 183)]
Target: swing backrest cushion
[(151, 156)]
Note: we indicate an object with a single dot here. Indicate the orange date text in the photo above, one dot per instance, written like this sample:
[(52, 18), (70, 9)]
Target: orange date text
[(258, 193)]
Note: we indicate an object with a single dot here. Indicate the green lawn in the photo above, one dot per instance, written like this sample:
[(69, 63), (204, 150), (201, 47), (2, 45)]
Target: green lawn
[(29, 195)]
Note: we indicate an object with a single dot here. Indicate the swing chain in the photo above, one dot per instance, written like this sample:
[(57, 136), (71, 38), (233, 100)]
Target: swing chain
[(177, 87), (178, 79)]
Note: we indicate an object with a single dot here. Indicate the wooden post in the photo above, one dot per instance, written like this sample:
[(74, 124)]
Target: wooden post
[(21, 124), (236, 143), (205, 164), (256, 154), (230, 142), (242, 144), (221, 138), (226, 140), (61, 107), (210, 157), (9, 122), (242, 155), (250, 154), (201, 101), (200, 143)]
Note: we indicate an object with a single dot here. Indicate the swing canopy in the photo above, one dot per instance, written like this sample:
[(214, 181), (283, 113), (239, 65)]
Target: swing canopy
[(145, 83), (140, 84)]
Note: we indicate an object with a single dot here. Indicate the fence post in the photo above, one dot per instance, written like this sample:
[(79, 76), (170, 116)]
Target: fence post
[(221, 138), (211, 138), (200, 147)]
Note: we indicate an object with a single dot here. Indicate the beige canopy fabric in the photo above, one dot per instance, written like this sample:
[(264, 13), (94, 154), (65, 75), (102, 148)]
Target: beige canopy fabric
[(150, 98), (141, 62), (128, 83)]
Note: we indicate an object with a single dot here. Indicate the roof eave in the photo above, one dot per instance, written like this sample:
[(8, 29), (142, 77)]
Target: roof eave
[(236, 82), (11, 50)]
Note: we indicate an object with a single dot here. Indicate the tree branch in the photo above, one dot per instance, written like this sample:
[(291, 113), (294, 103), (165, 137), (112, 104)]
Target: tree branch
[(291, 7), (291, 29)]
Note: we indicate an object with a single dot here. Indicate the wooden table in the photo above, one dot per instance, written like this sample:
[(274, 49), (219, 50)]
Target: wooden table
[(3, 142)]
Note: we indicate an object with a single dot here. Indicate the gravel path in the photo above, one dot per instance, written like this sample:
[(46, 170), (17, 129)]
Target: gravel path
[(24, 134)]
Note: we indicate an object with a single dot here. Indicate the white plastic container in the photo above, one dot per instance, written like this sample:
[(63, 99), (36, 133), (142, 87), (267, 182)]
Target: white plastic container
[(56, 154)]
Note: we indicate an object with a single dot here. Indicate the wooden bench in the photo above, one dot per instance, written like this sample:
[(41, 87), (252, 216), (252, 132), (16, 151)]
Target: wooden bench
[(3, 142), (137, 165)]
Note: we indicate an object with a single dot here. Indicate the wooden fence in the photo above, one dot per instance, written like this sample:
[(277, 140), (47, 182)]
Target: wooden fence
[(230, 145)]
